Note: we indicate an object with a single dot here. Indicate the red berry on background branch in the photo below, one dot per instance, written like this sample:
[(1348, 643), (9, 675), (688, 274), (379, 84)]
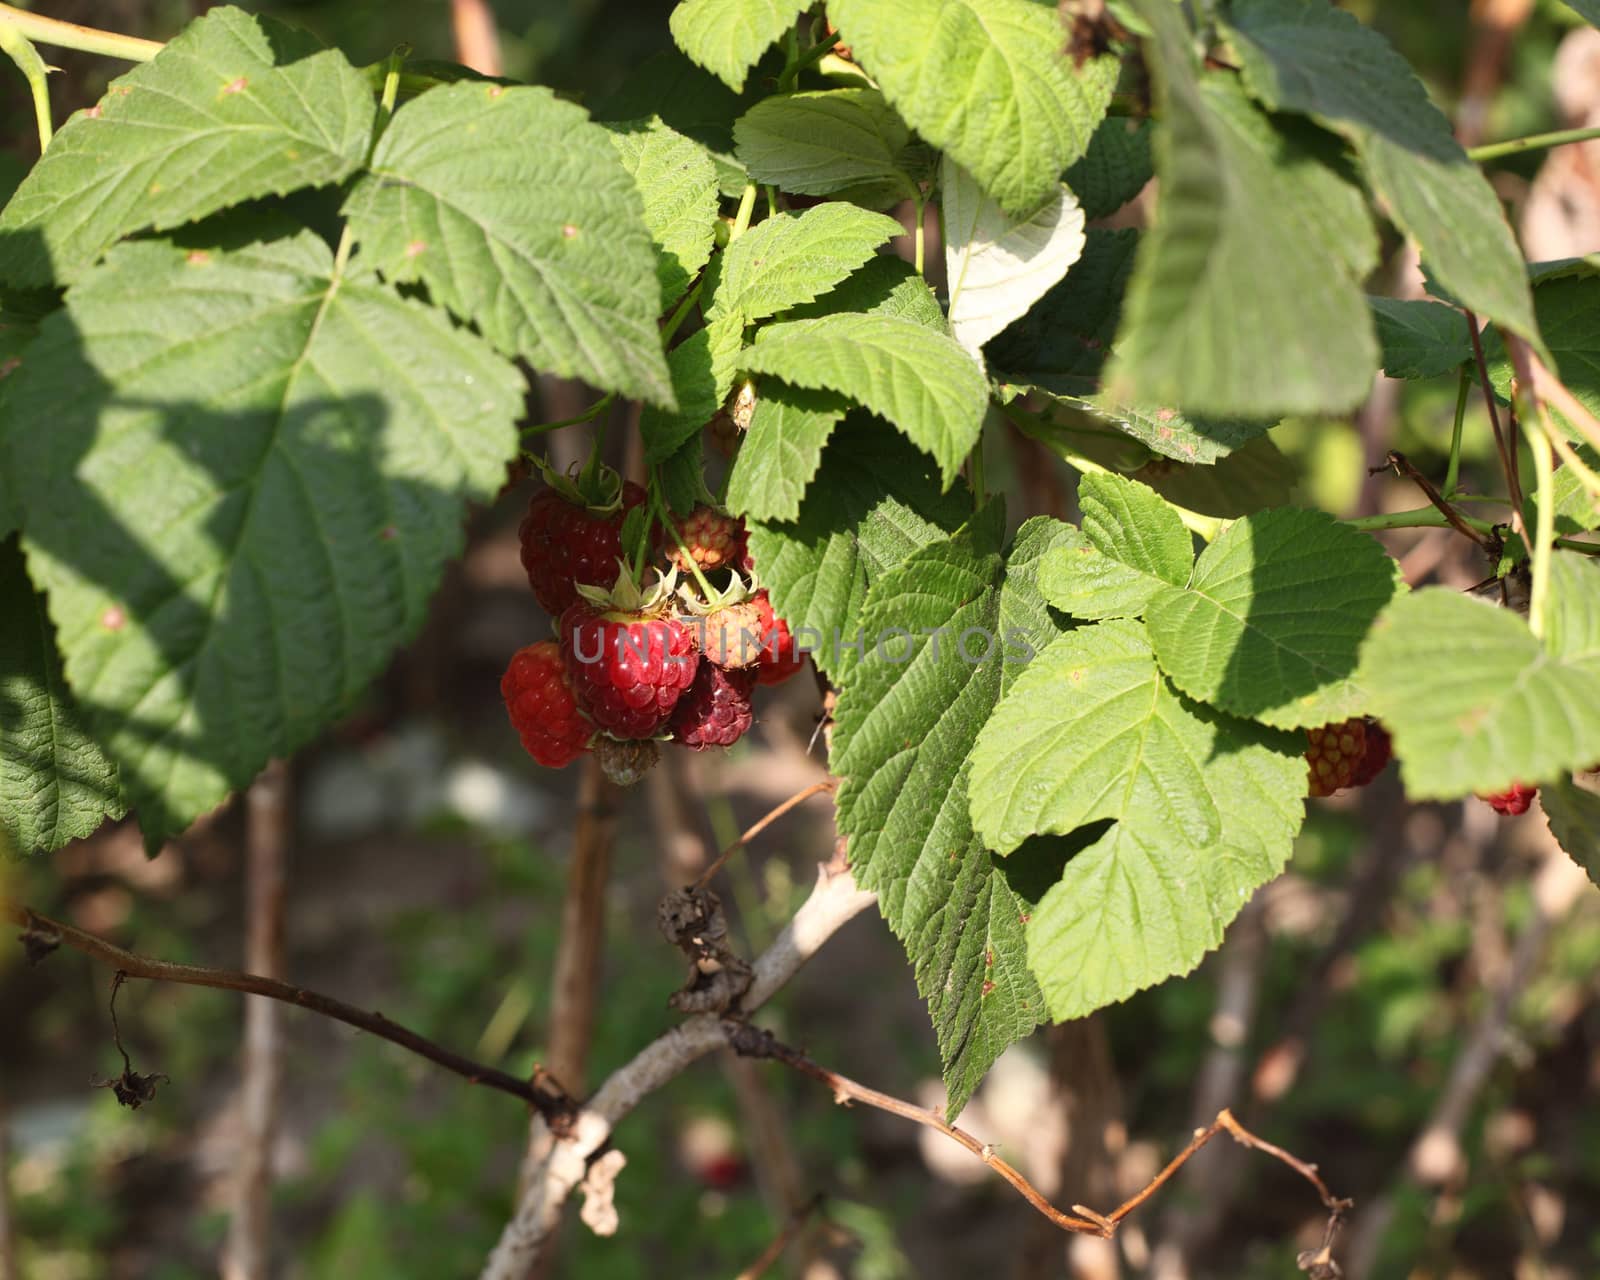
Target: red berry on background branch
[(567, 544), (543, 708), (629, 659), (715, 712), (1348, 754), (1513, 800)]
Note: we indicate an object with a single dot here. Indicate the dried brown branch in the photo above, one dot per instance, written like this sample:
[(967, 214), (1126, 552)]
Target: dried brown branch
[(247, 1253), (757, 1043), (816, 788), (526, 1237), (1507, 449), (774, 1250), (1403, 466), (543, 1093)]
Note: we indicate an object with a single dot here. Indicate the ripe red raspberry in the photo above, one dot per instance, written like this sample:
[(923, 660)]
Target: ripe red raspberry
[(543, 708), (628, 668), (1349, 754), (565, 544), (780, 658), (714, 541), (1513, 800), (715, 712)]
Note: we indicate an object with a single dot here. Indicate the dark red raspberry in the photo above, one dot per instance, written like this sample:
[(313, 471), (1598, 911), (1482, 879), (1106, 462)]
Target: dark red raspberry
[(628, 669), (564, 544), (714, 541), (543, 708), (716, 710), (1513, 800), (1348, 754), (780, 658)]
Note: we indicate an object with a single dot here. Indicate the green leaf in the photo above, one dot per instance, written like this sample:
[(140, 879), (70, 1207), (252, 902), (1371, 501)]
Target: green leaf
[(1576, 509), (234, 108), (544, 247), (1115, 168), (1252, 477), (1270, 625), (1205, 810), (677, 182), (905, 723), (1566, 308), (55, 783), (1474, 701), (728, 37), (702, 368), (839, 142), (1131, 547), (884, 287), (315, 441), (683, 482), (1315, 59), (1572, 809), (998, 266), (985, 82), (687, 99), (1061, 345), (874, 501), (920, 381), (1170, 433), (14, 339), (1420, 339), (1137, 907), (793, 258), (782, 450), (1246, 297)]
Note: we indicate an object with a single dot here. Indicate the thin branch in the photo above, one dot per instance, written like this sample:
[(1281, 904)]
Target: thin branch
[(1403, 466), (247, 1253), (816, 788), (1508, 455), (40, 932), (1533, 142), (774, 1250), (757, 1043), (69, 35), (527, 1236)]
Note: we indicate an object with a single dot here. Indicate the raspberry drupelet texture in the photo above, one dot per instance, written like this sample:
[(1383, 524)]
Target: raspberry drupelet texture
[(564, 545), (713, 541), (628, 670), (1513, 800), (1348, 754), (715, 712), (780, 658), (543, 707)]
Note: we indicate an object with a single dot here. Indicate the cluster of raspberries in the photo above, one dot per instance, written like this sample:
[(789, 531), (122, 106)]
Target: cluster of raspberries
[(1353, 753), (678, 660)]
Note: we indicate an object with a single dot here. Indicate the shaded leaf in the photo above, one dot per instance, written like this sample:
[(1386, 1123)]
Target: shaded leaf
[(782, 450), (1114, 169), (840, 142), (1420, 339), (677, 183), (792, 258), (728, 37)]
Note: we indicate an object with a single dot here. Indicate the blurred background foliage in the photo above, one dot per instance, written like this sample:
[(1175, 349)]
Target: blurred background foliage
[(430, 860)]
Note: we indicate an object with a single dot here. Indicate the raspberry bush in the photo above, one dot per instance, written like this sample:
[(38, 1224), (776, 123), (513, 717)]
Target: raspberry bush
[(269, 325)]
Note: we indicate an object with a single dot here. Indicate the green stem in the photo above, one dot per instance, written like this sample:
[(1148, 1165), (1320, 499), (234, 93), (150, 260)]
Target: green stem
[(33, 68), (919, 236), (69, 35), (1575, 544), (1429, 517), (588, 415), (682, 311), (1535, 424), (798, 63), (747, 206), (1534, 142), (591, 469), (1452, 472)]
